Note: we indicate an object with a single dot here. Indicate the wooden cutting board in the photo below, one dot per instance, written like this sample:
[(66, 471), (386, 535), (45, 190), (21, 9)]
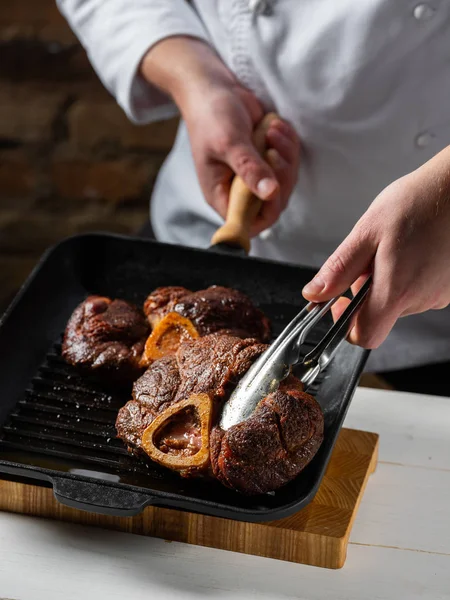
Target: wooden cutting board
[(318, 535)]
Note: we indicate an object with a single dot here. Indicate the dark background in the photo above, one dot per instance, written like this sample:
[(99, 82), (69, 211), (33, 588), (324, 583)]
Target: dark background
[(70, 161)]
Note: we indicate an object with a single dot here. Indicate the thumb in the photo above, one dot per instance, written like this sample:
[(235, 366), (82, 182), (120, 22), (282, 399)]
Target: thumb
[(351, 259), (254, 171)]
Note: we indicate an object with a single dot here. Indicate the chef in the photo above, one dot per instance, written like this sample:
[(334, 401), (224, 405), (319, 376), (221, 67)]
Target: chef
[(357, 178)]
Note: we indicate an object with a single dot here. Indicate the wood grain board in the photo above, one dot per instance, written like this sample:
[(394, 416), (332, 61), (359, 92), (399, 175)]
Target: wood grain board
[(317, 535)]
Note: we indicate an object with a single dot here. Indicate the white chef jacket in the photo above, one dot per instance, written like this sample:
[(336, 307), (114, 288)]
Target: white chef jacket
[(366, 85)]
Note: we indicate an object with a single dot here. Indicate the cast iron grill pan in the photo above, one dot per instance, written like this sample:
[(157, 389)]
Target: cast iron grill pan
[(57, 427)]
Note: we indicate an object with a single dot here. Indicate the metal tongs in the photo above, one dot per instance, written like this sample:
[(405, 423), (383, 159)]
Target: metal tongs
[(276, 362)]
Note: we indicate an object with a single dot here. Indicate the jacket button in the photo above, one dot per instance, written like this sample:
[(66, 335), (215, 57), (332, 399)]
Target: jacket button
[(266, 234), (260, 7), (423, 139), (423, 12)]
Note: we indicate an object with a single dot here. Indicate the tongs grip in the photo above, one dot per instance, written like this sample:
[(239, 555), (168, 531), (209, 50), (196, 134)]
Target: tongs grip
[(335, 332), (275, 364)]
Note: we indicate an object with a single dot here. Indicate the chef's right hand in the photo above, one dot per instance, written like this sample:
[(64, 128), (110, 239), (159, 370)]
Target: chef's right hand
[(220, 115)]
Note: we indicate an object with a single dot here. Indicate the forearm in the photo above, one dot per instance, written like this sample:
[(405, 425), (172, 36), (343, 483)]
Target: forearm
[(179, 64), (436, 172)]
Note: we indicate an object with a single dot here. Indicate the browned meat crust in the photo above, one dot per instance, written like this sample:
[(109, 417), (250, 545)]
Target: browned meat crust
[(162, 301), (107, 336), (271, 447), (212, 310), (214, 363)]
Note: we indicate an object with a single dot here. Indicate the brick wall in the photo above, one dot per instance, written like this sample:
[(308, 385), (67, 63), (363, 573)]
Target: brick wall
[(70, 161)]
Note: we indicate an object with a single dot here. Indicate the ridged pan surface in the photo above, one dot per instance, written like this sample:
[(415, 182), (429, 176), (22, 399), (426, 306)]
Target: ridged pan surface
[(57, 427)]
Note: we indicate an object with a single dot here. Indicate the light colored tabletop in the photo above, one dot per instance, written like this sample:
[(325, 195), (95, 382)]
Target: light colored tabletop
[(400, 544)]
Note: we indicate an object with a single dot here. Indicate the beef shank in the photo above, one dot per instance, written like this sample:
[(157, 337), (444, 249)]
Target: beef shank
[(106, 336), (181, 396), (211, 310)]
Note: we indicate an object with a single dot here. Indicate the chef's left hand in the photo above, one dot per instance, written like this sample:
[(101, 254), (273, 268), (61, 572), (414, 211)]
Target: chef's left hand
[(403, 239)]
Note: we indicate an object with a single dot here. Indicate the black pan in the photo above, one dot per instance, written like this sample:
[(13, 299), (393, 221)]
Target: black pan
[(57, 428)]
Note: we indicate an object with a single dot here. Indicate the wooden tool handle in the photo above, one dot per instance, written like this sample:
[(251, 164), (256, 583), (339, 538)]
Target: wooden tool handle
[(243, 205)]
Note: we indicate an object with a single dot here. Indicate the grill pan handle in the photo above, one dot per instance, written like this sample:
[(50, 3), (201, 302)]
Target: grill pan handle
[(99, 498), (243, 206)]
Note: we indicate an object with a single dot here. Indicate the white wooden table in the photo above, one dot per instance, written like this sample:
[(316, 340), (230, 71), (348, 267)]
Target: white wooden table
[(400, 545)]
